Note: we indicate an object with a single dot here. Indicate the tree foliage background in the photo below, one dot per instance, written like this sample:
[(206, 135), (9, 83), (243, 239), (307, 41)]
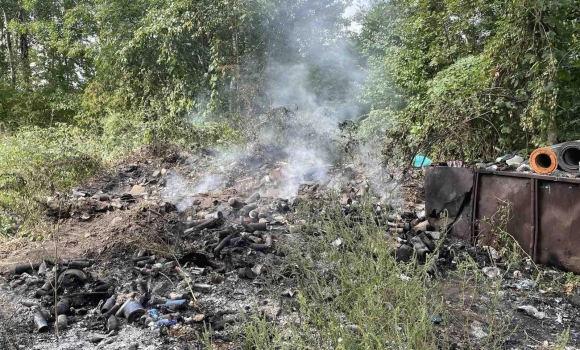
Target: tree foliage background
[(471, 79), (84, 82), (143, 67)]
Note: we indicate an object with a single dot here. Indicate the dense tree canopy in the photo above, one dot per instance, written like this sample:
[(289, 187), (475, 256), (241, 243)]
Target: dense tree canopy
[(110, 63), (474, 78), (479, 75)]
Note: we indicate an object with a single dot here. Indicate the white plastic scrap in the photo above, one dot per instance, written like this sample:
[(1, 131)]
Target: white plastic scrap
[(517, 160), (532, 311), (337, 242), (404, 277), (491, 272), (477, 331)]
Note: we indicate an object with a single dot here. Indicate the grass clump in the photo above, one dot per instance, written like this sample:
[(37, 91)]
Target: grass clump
[(34, 162), (355, 295)]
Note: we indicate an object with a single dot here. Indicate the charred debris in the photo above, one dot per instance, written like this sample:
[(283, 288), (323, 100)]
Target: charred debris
[(210, 265), (202, 268)]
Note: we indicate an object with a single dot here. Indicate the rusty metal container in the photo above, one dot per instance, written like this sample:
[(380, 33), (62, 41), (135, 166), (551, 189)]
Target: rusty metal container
[(133, 310), (544, 210)]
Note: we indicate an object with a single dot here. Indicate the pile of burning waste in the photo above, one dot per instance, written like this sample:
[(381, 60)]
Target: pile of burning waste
[(160, 289), (182, 258), (171, 263)]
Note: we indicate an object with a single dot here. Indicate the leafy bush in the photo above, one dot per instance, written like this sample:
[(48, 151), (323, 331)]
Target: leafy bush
[(475, 81)]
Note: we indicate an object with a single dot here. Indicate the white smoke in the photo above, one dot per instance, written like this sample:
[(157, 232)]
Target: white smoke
[(209, 183), (177, 191), (301, 130)]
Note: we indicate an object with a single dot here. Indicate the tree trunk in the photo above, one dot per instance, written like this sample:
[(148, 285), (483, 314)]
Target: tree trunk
[(237, 58), (24, 47), (8, 37), (552, 132)]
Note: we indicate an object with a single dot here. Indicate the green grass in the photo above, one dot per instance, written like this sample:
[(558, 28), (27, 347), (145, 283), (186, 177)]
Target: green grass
[(356, 296), (35, 160)]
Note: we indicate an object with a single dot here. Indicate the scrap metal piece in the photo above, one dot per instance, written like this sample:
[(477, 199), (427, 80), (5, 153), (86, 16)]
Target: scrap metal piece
[(246, 272), (205, 223), (497, 192), (63, 307), (108, 305), (22, 268), (448, 194), (133, 310), (245, 211), (253, 198), (112, 324), (40, 321), (62, 322), (72, 277), (558, 223), (224, 243), (253, 227), (79, 263)]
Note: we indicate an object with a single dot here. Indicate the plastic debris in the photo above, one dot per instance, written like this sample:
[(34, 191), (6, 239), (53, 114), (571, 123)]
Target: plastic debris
[(154, 314), (337, 242), (168, 322), (532, 311), (491, 272), (525, 284), (504, 157), (477, 331), (516, 160), (404, 277), (421, 161), (436, 319), (524, 167)]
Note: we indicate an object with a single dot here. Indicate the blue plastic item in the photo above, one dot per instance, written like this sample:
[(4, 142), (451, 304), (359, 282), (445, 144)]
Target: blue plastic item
[(436, 319), (175, 302), (154, 314), (166, 323), (525, 284), (421, 161)]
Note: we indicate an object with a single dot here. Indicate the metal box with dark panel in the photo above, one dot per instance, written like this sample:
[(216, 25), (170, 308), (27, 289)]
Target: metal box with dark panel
[(544, 210)]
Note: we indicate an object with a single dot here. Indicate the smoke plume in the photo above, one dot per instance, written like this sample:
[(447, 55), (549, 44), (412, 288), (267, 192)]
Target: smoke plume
[(308, 91)]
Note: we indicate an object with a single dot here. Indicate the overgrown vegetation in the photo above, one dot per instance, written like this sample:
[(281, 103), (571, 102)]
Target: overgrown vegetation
[(83, 83), (473, 79), (357, 296), (447, 78)]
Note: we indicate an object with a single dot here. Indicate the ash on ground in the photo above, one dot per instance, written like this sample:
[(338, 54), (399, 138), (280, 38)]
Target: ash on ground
[(166, 251)]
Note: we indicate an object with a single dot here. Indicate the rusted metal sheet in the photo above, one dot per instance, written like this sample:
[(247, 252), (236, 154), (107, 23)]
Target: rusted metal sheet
[(559, 224), (544, 210), (446, 188), (448, 191), (492, 193)]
